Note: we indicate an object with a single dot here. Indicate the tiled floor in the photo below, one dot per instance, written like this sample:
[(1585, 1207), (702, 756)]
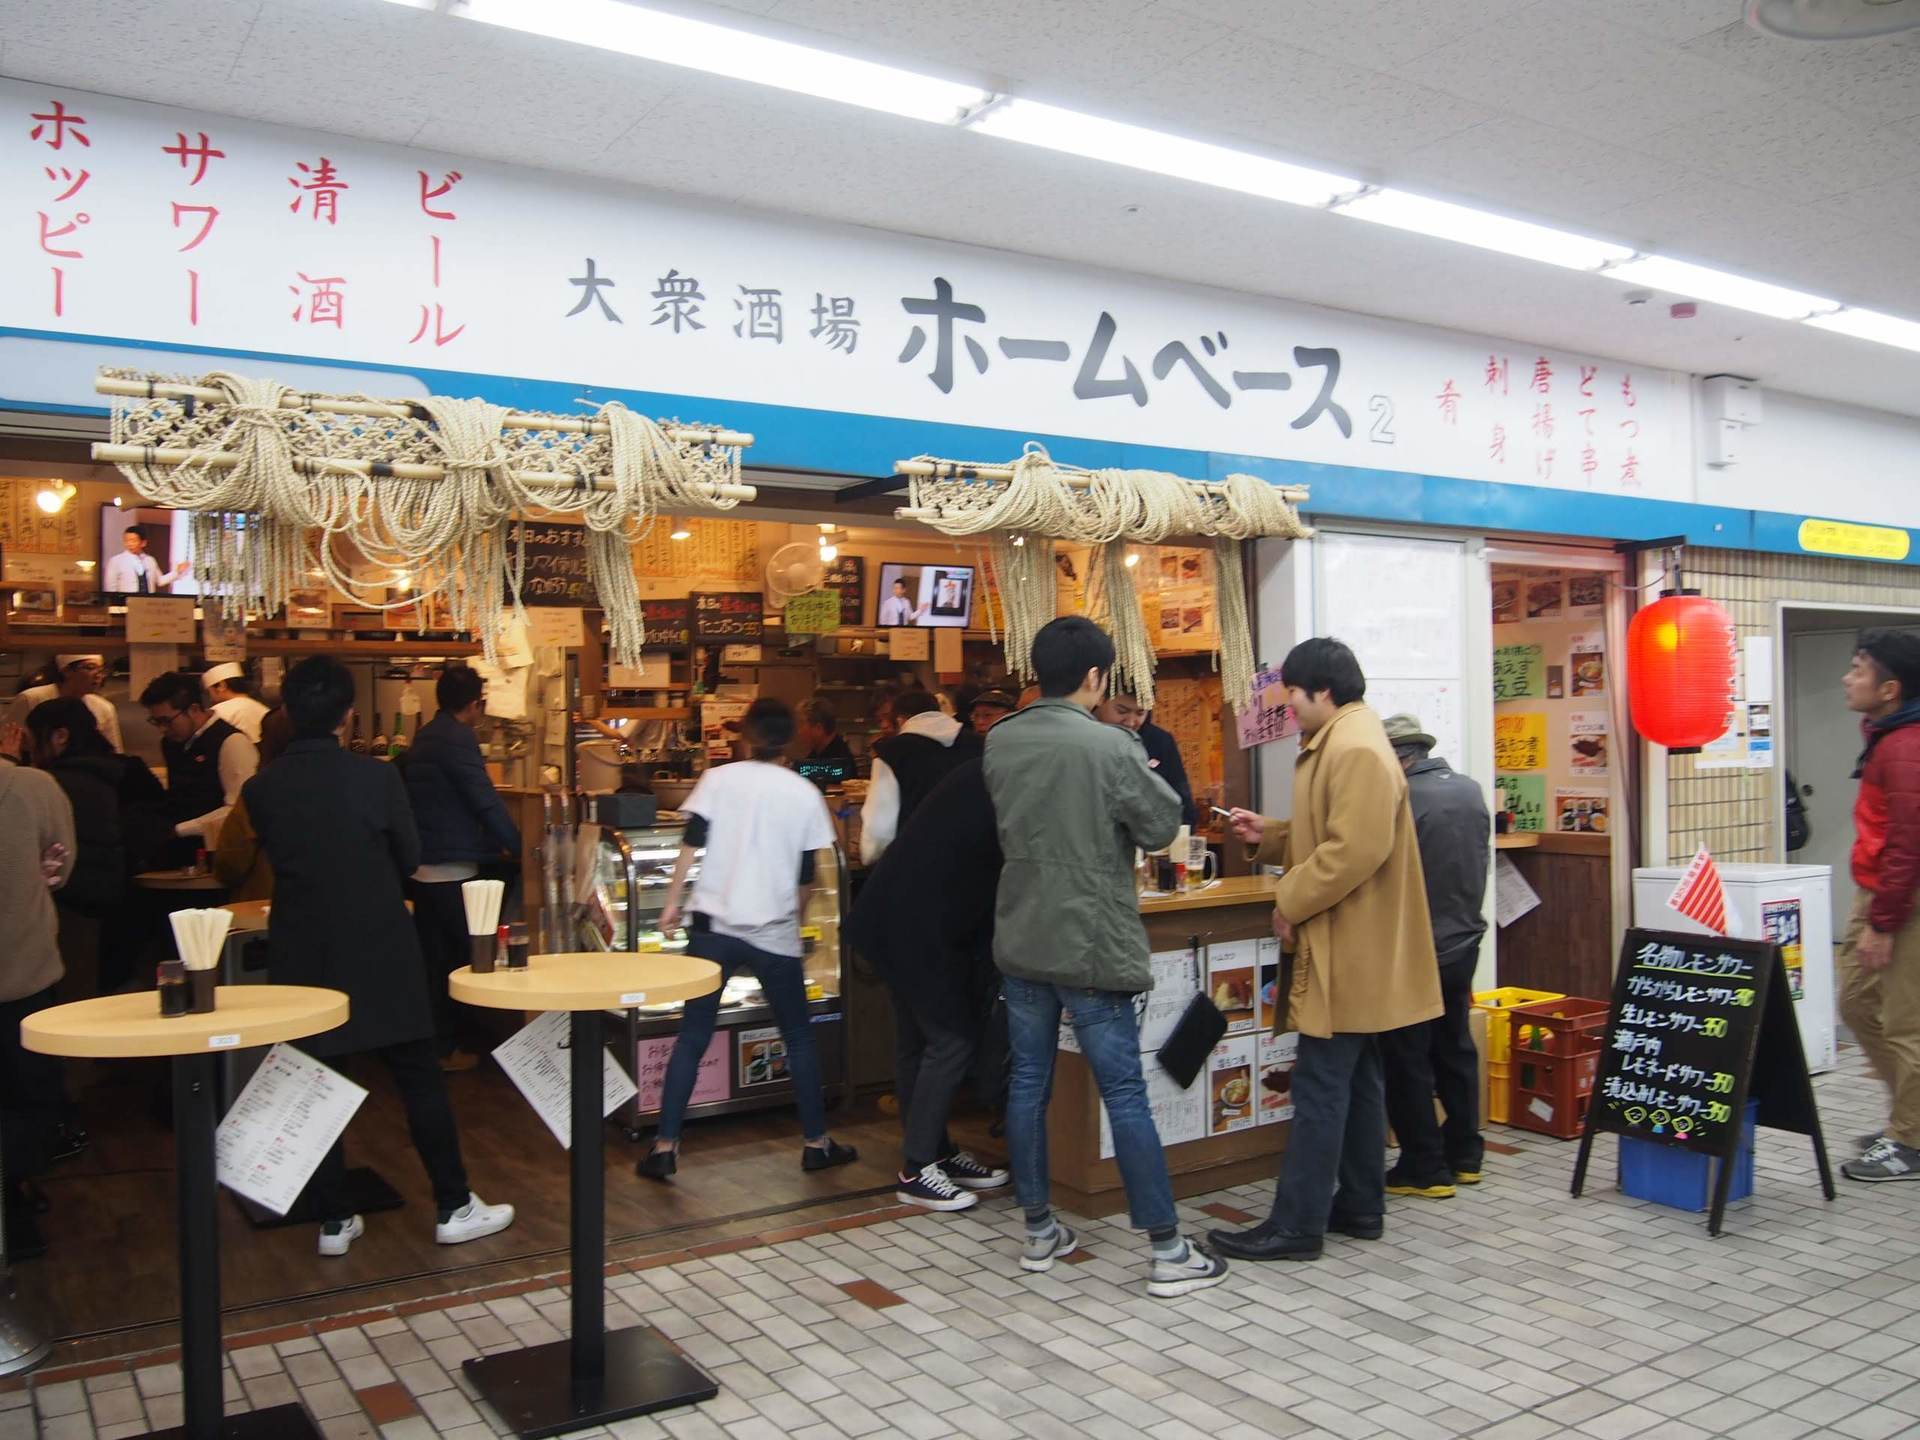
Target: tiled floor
[(1509, 1313)]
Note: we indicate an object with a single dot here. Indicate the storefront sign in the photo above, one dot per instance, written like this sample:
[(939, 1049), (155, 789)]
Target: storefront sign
[(1860, 542), (139, 222), (728, 617), (1524, 797), (1520, 741), (556, 564), (669, 623), (848, 575), (1519, 672)]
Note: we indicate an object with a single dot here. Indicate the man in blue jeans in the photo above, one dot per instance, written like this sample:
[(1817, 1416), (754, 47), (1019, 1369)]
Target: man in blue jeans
[(1073, 799)]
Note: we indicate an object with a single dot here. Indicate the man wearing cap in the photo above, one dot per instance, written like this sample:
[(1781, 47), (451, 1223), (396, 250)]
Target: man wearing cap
[(1438, 1056), (80, 679), (987, 707), (233, 701)]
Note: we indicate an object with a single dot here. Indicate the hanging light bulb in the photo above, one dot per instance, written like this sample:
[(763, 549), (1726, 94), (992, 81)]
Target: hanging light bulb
[(1018, 541), (402, 580), (53, 495), (1133, 558), (678, 530), (828, 552), (116, 502)]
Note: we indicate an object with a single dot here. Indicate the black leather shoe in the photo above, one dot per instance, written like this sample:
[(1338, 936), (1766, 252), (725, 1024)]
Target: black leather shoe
[(657, 1164), (1357, 1227), (825, 1157), (1265, 1243)]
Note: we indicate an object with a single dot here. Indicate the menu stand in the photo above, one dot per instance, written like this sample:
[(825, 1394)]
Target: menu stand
[(130, 1027), (592, 1377)]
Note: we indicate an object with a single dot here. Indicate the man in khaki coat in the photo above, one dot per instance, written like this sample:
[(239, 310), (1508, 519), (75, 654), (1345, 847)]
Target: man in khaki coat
[(1352, 908)]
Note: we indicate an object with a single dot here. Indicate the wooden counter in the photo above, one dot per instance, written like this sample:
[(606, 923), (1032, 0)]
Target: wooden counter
[(1237, 908)]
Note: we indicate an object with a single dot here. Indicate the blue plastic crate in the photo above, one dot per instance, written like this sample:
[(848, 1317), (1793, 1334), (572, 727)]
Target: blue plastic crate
[(1668, 1175)]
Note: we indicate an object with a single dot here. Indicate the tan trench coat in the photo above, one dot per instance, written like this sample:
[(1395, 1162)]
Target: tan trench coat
[(1353, 889)]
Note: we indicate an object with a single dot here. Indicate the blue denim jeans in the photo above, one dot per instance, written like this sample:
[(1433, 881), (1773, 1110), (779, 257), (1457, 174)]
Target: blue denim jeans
[(784, 979), (1336, 1157), (1109, 1035)]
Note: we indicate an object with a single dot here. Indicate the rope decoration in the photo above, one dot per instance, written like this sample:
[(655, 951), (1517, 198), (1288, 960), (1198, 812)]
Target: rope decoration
[(1036, 496), (280, 486), (1024, 564)]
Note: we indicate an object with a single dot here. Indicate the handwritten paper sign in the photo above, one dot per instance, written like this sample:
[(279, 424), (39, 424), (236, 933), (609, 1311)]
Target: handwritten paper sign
[(909, 644), (1519, 672), (1525, 798), (1268, 717), (556, 563), (288, 1117), (814, 612), (650, 1071), (161, 620), (561, 626), (730, 616), (536, 1060), (1520, 741)]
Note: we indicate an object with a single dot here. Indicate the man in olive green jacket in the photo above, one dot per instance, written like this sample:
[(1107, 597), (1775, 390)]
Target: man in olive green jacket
[(1072, 800), (1352, 908)]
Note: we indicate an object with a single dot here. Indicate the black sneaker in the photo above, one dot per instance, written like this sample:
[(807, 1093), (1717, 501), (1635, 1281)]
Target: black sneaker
[(825, 1157), (969, 1174), (934, 1189)]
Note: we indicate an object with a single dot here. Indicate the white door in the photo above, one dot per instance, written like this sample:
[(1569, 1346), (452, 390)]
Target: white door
[(1823, 742)]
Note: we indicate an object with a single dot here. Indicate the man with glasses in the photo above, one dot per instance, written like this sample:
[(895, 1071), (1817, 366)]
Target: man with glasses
[(208, 760), (81, 677)]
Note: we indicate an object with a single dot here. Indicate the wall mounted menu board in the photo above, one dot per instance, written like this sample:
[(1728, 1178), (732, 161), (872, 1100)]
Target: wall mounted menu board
[(669, 623), (1698, 1025), (556, 564), (848, 575), (727, 617)]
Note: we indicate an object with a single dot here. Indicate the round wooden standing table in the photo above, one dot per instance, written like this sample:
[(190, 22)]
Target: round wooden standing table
[(590, 1378), (184, 877), (126, 1027)]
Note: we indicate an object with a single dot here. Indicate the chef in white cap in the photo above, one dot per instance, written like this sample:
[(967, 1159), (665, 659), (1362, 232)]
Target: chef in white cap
[(233, 700), (80, 679)]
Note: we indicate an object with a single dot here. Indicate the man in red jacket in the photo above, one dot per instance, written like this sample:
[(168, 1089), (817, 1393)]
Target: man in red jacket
[(1880, 962)]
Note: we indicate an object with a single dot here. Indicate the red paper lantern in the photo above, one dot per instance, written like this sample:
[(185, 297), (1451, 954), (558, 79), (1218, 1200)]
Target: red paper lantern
[(1680, 671)]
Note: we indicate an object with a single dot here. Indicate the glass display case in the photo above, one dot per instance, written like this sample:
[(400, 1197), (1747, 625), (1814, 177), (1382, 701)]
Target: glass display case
[(622, 890)]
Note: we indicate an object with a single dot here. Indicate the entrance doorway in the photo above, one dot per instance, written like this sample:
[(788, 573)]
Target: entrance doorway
[(1823, 736)]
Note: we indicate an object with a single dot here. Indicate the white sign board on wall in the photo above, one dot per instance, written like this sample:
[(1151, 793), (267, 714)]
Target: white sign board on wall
[(126, 220)]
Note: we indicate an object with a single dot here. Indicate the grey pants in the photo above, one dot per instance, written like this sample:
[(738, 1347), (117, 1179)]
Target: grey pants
[(1336, 1159), (932, 1059)]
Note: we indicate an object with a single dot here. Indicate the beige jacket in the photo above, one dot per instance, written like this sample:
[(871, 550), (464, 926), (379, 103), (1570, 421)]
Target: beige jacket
[(1353, 888)]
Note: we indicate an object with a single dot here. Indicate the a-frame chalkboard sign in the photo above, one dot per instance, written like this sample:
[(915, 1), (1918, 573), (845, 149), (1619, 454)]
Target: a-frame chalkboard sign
[(1700, 1024)]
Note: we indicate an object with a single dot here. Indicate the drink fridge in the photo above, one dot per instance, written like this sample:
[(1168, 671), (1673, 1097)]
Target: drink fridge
[(1791, 905)]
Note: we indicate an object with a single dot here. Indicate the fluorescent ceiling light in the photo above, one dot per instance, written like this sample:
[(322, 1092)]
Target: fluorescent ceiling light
[(1657, 272), (1048, 126), (1871, 325), (737, 54), (1488, 231)]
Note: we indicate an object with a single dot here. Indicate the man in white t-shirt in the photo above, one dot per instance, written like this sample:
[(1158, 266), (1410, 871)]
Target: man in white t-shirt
[(760, 825), (80, 679), (233, 700)]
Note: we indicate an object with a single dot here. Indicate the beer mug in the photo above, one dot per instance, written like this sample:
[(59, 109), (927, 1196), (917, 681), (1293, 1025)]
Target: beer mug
[(1203, 866)]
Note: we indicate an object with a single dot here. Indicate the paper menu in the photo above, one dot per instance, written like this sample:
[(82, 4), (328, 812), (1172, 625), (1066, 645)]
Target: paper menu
[(536, 1060), (1273, 1087), (1179, 1115), (1230, 1085), (1175, 983), (1513, 897), (282, 1125), (1232, 980), (1269, 1000)]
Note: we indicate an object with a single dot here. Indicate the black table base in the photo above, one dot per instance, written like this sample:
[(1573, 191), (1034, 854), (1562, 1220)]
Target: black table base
[(535, 1393), (592, 1377), (282, 1422)]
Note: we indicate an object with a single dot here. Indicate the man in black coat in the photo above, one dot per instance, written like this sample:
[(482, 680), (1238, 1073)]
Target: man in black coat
[(924, 919), (464, 826), (1163, 751), (337, 829)]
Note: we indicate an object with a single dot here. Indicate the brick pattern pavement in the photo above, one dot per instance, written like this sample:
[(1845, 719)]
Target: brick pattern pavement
[(1509, 1313)]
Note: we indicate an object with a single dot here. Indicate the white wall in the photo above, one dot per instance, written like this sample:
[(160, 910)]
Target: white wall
[(1813, 457)]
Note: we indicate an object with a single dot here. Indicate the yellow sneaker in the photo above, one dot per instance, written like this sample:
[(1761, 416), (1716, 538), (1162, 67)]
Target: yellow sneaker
[(1433, 1188), (1466, 1177)]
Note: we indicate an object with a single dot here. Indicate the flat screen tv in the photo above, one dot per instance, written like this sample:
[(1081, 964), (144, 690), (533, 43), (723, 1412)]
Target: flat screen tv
[(924, 595)]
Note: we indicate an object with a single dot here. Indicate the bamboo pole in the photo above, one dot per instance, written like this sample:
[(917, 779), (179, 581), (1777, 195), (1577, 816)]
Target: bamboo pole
[(1002, 474), (331, 405), (402, 470)]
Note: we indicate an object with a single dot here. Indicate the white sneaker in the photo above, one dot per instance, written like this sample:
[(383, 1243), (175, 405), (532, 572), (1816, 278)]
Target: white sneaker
[(1197, 1270), (472, 1221), (1039, 1255), (931, 1189), (337, 1236)]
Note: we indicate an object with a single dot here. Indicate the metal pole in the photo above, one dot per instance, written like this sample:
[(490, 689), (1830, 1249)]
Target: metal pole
[(588, 1206), (193, 1080)]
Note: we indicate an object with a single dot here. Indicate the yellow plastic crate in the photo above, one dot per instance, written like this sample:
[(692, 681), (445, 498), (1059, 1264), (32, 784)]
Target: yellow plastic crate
[(1499, 1024), (1499, 1095)]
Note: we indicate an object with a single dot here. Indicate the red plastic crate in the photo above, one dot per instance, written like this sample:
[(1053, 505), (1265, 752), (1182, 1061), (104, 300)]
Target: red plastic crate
[(1556, 1057)]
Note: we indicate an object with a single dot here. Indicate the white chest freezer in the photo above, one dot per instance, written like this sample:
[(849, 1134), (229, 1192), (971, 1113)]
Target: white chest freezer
[(1791, 905)]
